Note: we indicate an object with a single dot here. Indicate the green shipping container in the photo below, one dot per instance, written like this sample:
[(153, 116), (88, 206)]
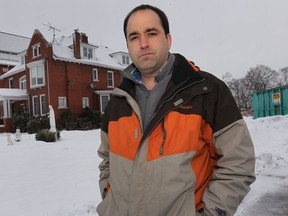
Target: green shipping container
[(270, 102)]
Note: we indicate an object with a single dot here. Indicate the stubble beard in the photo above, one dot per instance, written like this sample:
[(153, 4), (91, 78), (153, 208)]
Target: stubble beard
[(148, 65)]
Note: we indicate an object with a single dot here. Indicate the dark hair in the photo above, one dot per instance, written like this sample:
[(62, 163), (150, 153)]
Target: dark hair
[(160, 13)]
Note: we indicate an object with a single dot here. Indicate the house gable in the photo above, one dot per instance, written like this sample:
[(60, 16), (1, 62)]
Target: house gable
[(54, 75)]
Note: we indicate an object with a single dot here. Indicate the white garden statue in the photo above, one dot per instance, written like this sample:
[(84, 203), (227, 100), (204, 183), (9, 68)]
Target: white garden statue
[(52, 120), (17, 135), (9, 140)]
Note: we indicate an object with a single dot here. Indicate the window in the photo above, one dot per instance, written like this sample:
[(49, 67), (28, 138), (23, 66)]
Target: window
[(95, 74), (36, 50), (87, 52), (22, 83), (37, 78), (22, 60), (35, 105), (11, 82), (110, 79), (43, 109), (85, 102), (62, 103), (125, 60), (104, 101)]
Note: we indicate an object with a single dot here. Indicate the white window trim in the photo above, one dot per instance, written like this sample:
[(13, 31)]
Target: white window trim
[(40, 103), (101, 106), (110, 72), (88, 48), (33, 107), (10, 86), (34, 64), (83, 102), (37, 47), (125, 60), (96, 72), (22, 59), (65, 100), (21, 81)]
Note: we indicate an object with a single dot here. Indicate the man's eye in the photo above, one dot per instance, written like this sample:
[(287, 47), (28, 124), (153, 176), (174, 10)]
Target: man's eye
[(132, 38), (152, 33)]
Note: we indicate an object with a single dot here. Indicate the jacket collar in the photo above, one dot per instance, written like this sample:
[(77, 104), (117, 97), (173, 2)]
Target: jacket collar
[(132, 73), (182, 72)]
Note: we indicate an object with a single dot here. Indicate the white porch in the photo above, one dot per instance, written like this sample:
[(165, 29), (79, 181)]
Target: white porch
[(7, 98)]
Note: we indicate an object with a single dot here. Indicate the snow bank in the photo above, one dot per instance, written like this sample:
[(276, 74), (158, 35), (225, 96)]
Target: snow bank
[(61, 178)]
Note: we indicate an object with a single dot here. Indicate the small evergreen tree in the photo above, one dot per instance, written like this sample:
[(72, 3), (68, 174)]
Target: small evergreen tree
[(20, 120)]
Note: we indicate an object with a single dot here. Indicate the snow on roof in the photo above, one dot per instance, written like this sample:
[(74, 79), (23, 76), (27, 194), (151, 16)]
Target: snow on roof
[(12, 94), (63, 50), (7, 62), (17, 69), (13, 43), (9, 56), (119, 52)]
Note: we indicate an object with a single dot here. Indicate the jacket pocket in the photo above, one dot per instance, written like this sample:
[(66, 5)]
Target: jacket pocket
[(184, 205), (107, 207), (177, 184), (189, 204)]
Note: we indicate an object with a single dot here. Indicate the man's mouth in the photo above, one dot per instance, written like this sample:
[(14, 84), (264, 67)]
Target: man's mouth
[(143, 54)]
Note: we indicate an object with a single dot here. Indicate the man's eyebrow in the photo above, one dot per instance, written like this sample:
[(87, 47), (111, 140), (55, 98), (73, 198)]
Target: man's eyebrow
[(132, 34), (151, 29), (147, 30)]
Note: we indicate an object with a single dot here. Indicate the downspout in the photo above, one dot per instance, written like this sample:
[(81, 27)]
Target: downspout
[(29, 105), (48, 79), (69, 84)]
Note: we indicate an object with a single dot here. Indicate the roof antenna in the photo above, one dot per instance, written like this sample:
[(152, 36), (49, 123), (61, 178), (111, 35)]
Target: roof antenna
[(53, 29)]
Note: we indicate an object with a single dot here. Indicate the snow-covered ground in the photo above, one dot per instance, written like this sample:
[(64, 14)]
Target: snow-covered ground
[(269, 193), (61, 178)]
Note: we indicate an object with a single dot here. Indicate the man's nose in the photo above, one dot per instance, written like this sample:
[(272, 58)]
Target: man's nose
[(144, 42)]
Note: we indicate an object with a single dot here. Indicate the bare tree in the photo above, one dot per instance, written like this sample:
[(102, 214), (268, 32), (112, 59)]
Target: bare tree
[(257, 79), (261, 77), (227, 77), (283, 76), (242, 92)]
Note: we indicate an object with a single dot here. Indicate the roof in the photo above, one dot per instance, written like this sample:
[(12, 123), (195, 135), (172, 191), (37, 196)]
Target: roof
[(7, 62), (13, 94), (62, 50), (12, 43), (15, 70)]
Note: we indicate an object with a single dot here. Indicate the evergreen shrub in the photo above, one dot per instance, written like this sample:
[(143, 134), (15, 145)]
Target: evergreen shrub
[(47, 136), (36, 124)]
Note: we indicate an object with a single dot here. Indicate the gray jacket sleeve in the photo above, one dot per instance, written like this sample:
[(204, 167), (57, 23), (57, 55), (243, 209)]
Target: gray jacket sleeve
[(103, 153), (234, 171)]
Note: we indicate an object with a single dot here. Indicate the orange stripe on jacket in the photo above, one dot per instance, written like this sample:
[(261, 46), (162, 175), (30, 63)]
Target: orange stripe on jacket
[(124, 136), (203, 165), (196, 68), (183, 134), (187, 133)]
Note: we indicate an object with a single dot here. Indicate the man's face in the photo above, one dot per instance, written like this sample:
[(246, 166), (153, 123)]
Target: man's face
[(147, 43)]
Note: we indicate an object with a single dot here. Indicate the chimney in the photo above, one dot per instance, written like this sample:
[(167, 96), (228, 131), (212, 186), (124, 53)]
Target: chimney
[(76, 44), (84, 38)]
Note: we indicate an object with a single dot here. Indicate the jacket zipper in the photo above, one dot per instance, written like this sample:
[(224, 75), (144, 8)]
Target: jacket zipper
[(163, 139), (161, 152)]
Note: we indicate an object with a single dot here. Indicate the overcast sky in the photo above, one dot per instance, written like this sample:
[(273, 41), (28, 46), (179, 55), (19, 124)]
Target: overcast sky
[(218, 35)]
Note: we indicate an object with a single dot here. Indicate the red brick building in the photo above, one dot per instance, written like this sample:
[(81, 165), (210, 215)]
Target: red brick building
[(69, 74)]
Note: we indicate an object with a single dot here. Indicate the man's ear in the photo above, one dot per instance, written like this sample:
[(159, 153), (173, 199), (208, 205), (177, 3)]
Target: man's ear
[(169, 39)]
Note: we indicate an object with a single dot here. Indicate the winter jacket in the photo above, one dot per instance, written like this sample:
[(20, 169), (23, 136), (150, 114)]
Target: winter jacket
[(195, 155)]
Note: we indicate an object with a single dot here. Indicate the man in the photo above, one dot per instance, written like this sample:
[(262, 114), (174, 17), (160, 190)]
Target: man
[(173, 142)]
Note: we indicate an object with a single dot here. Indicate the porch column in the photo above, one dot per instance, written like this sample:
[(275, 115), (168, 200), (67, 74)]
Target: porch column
[(6, 108)]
